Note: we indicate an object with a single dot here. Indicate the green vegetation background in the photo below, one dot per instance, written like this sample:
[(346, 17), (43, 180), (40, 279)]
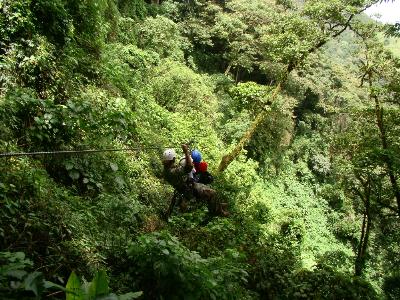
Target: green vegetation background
[(118, 73)]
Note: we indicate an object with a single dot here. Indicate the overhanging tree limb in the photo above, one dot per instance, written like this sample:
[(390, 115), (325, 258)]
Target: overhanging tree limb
[(227, 159)]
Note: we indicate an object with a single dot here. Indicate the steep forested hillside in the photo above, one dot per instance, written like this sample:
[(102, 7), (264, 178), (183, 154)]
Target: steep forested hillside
[(293, 104)]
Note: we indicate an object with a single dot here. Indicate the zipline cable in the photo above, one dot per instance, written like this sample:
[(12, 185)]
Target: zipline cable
[(87, 151)]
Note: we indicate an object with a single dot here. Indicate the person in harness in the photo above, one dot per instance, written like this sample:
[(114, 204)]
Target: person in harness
[(177, 176)]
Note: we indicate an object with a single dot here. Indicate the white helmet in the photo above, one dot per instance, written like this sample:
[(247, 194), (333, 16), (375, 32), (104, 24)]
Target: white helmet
[(169, 154)]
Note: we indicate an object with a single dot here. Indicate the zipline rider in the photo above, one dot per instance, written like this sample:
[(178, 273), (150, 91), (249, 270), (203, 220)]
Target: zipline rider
[(177, 176)]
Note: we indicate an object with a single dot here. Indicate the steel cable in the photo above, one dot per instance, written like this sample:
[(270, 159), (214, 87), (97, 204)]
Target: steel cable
[(87, 151)]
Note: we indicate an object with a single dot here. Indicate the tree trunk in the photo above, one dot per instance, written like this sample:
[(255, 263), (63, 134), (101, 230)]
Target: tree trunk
[(362, 247), (237, 74), (228, 69), (365, 230), (382, 134)]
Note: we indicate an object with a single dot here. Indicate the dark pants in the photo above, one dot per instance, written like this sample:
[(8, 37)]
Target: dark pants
[(202, 193), (208, 195)]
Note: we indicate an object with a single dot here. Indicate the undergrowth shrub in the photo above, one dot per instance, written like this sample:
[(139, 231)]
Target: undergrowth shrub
[(17, 281), (211, 239), (34, 214), (277, 273), (164, 37), (163, 267)]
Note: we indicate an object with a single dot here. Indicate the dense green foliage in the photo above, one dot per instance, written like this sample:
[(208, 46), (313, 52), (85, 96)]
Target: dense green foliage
[(313, 195)]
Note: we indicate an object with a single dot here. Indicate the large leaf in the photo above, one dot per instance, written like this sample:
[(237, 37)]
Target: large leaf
[(69, 166), (74, 291), (129, 296), (114, 167), (52, 285), (90, 289), (99, 286), (108, 297), (34, 282), (19, 274), (74, 174), (101, 283)]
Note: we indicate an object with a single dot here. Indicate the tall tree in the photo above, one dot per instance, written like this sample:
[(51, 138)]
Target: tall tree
[(327, 20), (380, 74)]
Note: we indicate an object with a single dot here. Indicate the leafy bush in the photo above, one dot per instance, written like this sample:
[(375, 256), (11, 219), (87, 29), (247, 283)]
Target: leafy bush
[(97, 289), (163, 36), (132, 9), (37, 123), (125, 66), (15, 22), (251, 96), (165, 268), (212, 239), (52, 20), (180, 89), (391, 286), (277, 274), (16, 282)]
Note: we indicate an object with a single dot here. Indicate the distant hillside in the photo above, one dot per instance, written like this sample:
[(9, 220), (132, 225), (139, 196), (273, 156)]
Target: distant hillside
[(393, 44)]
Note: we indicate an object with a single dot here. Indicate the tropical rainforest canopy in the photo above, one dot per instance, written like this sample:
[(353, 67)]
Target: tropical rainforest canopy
[(295, 105)]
